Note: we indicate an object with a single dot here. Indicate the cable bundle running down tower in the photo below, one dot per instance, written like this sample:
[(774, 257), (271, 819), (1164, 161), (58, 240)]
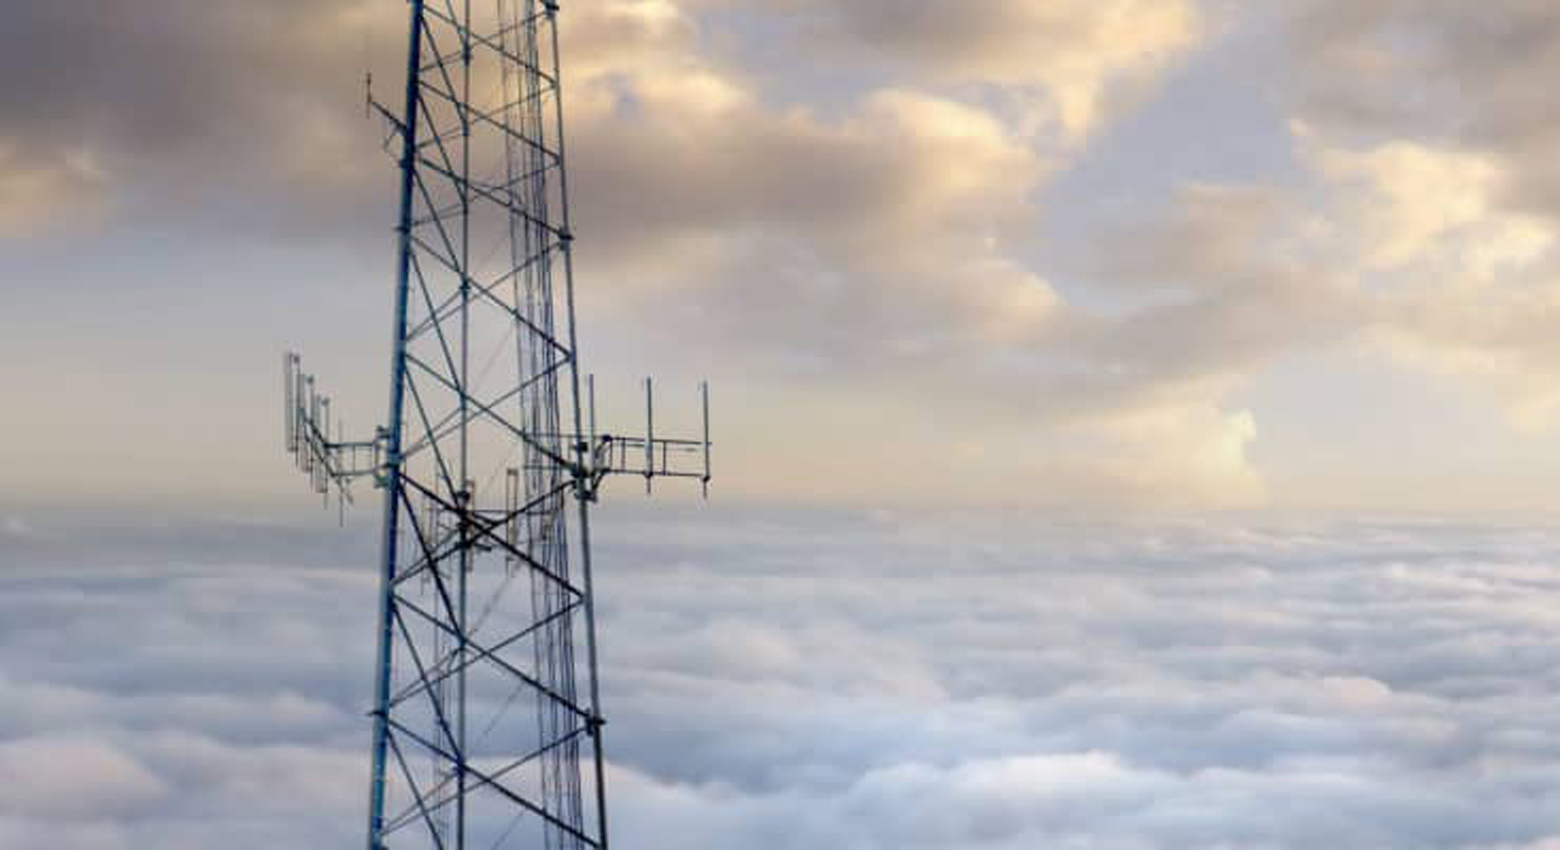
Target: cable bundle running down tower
[(487, 724)]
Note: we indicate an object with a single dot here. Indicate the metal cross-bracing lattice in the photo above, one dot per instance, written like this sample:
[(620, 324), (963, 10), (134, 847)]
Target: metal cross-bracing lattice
[(487, 715)]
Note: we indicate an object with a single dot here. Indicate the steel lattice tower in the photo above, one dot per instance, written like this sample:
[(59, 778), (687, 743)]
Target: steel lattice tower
[(487, 723)]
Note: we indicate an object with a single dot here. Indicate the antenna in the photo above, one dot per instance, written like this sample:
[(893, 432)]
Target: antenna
[(330, 464), (487, 718)]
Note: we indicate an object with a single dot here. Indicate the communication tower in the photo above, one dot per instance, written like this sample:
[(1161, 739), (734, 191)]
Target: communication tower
[(487, 721)]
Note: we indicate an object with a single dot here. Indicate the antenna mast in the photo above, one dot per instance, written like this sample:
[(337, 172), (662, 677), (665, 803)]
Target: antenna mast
[(487, 721)]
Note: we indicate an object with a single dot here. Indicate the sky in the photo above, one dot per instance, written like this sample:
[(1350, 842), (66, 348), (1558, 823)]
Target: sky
[(1119, 256), (1135, 419)]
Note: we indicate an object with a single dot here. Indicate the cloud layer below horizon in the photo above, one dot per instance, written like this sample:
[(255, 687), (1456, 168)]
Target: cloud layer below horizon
[(872, 680)]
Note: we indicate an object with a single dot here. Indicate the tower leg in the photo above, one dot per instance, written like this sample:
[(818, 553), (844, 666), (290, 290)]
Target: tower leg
[(393, 484)]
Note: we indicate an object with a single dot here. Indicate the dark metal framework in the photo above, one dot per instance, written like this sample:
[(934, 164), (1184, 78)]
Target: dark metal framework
[(487, 722)]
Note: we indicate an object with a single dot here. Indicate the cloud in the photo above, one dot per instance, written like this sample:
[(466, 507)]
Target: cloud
[(1416, 234), (780, 680), (158, 106), (1469, 281), (35, 196), (874, 244), (1443, 201), (1484, 59), (164, 96), (1068, 64), (995, 45), (1413, 200), (65, 778), (866, 233), (834, 207)]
